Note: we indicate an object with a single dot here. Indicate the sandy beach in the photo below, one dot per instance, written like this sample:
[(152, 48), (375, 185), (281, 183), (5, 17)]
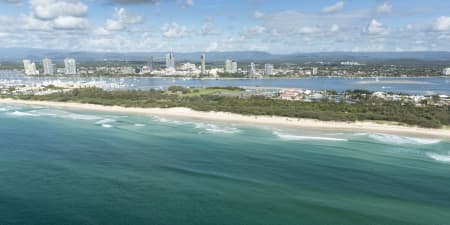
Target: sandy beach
[(276, 121)]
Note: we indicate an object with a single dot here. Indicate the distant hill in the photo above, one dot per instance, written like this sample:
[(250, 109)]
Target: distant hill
[(17, 54)]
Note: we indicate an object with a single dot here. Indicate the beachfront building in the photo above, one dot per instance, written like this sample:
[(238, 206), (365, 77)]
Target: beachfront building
[(30, 68), (70, 66), (49, 67), (446, 72), (268, 69)]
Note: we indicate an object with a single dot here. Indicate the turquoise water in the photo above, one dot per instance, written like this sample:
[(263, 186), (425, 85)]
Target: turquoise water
[(69, 167)]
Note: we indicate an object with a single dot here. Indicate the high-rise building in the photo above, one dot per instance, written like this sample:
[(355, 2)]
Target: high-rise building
[(315, 71), (446, 71), (203, 63), (48, 66), (234, 67), (30, 68), (170, 61), (252, 70), (70, 66), (150, 64), (268, 69), (230, 66)]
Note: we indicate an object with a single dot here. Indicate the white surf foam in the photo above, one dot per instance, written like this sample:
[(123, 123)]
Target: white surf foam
[(105, 125), (394, 139), (439, 157), (21, 114), (105, 121), (139, 125), (291, 137), (212, 128), (64, 114)]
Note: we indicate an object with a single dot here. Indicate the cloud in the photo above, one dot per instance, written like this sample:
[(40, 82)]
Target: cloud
[(121, 19), (253, 31), (334, 8), (442, 24), (174, 30), (69, 22), (376, 28), (258, 14), (51, 9), (130, 2), (385, 8), (190, 2), (15, 2), (334, 28)]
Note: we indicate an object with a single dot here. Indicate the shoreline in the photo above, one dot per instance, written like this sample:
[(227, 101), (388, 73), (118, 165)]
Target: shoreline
[(276, 121)]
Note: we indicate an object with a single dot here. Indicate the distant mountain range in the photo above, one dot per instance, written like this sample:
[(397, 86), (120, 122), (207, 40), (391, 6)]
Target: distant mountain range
[(17, 54)]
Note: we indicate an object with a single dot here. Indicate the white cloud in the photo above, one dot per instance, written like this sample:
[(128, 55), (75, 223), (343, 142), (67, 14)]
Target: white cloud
[(334, 28), (51, 9), (334, 8), (258, 14), (213, 46), (121, 19), (442, 24), (69, 22), (114, 25), (190, 2), (174, 30), (376, 28), (385, 8), (253, 31)]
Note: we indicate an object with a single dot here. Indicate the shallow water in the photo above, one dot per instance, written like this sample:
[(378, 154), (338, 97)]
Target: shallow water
[(417, 85), (75, 167)]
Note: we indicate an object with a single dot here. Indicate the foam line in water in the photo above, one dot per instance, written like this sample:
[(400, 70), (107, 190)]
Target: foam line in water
[(399, 140), (21, 114), (291, 137), (105, 121), (139, 125), (106, 125), (439, 157), (212, 128)]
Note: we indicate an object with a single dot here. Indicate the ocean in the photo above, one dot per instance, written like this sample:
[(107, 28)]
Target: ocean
[(69, 167)]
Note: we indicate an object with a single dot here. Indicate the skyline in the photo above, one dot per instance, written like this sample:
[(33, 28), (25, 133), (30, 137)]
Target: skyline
[(252, 25)]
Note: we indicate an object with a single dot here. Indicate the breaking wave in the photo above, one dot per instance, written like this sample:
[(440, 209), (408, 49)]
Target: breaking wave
[(105, 121), (212, 128), (291, 137), (439, 157), (21, 114), (399, 140)]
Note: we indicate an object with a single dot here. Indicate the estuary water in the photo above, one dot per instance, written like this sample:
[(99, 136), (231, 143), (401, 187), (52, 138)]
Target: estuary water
[(410, 85), (68, 167)]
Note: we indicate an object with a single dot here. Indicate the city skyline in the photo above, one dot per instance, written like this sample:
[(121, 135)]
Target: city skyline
[(199, 25)]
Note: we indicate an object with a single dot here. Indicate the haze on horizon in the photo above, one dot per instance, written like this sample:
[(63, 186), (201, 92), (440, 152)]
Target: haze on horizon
[(212, 25)]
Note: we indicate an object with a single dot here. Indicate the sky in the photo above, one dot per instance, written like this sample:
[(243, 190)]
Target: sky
[(276, 26)]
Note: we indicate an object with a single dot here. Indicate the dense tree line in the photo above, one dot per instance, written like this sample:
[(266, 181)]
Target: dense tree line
[(375, 110)]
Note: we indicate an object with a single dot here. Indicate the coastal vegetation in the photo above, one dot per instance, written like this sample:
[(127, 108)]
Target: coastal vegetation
[(210, 99)]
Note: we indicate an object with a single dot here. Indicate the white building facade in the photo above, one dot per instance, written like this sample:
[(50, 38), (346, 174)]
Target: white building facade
[(70, 66), (30, 68), (49, 68)]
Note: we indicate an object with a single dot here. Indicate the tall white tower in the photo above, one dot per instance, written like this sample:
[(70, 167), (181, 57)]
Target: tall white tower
[(70, 66), (30, 68), (48, 66), (170, 61)]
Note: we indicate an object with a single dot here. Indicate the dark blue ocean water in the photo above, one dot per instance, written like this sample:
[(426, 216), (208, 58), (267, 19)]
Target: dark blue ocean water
[(72, 167)]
